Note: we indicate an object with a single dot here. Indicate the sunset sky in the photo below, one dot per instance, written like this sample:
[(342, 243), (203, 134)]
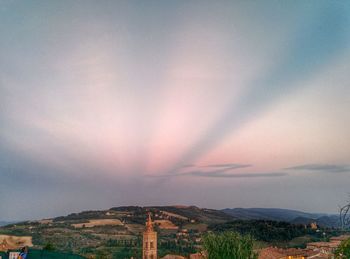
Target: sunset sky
[(209, 103)]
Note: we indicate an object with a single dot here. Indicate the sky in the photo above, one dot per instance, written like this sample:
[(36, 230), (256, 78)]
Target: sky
[(218, 104)]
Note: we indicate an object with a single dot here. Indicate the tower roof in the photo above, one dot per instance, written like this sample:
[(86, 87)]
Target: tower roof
[(149, 224)]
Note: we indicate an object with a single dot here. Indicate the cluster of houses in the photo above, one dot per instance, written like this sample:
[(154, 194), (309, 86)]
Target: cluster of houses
[(314, 250)]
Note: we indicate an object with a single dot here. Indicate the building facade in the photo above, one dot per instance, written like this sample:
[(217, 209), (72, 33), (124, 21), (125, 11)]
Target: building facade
[(13, 255)]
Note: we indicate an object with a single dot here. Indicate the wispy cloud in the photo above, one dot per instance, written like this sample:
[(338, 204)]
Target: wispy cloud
[(227, 165), (216, 174), (332, 168), (221, 171), (226, 170), (230, 165)]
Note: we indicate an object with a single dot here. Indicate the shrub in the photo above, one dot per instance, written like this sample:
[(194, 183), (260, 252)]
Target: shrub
[(228, 245)]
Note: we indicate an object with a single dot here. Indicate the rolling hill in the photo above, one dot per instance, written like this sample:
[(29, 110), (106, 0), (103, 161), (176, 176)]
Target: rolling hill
[(117, 231), (291, 216)]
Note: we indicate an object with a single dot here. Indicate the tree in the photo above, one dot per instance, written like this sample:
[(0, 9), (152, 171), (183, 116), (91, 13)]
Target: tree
[(344, 213), (49, 247), (228, 245), (343, 251)]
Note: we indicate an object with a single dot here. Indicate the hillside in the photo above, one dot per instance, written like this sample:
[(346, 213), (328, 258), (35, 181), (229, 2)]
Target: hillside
[(291, 216), (264, 230), (118, 230), (4, 223)]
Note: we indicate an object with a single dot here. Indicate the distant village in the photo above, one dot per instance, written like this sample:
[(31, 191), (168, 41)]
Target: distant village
[(314, 250)]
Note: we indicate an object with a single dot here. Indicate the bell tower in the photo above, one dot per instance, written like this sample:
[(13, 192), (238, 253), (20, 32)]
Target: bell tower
[(149, 247)]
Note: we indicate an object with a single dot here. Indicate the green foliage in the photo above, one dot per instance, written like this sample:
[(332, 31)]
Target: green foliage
[(49, 247), (101, 255), (343, 251), (228, 245), (84, 216), (264, 230), (127, 253), (44, 254), (176, 247)]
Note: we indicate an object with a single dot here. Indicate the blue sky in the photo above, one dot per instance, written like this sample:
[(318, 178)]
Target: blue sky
[(217, 104)]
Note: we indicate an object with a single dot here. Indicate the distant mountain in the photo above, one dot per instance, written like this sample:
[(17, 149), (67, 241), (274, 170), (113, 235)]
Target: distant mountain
[(4, 223), (302, 220), (269, 214), (329, 221), (292, 216), (324, 221)]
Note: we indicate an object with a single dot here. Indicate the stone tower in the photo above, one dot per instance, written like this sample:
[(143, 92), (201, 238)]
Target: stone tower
[(149, 247)]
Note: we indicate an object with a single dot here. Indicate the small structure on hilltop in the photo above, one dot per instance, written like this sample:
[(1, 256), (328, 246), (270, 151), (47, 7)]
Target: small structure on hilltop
[(313, 225), (149, 246)]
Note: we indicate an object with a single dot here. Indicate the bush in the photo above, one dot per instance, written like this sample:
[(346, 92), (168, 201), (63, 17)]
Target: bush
[(264, 230), (228, 245), (343, 251), (49, 247)]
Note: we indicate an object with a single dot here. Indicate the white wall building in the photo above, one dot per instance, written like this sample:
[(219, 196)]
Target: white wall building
[(13, 255)]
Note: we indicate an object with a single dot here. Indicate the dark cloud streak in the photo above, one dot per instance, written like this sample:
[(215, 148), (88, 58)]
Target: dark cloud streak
[(231, 166), (221, 173), (239, 175), (330, 168)]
